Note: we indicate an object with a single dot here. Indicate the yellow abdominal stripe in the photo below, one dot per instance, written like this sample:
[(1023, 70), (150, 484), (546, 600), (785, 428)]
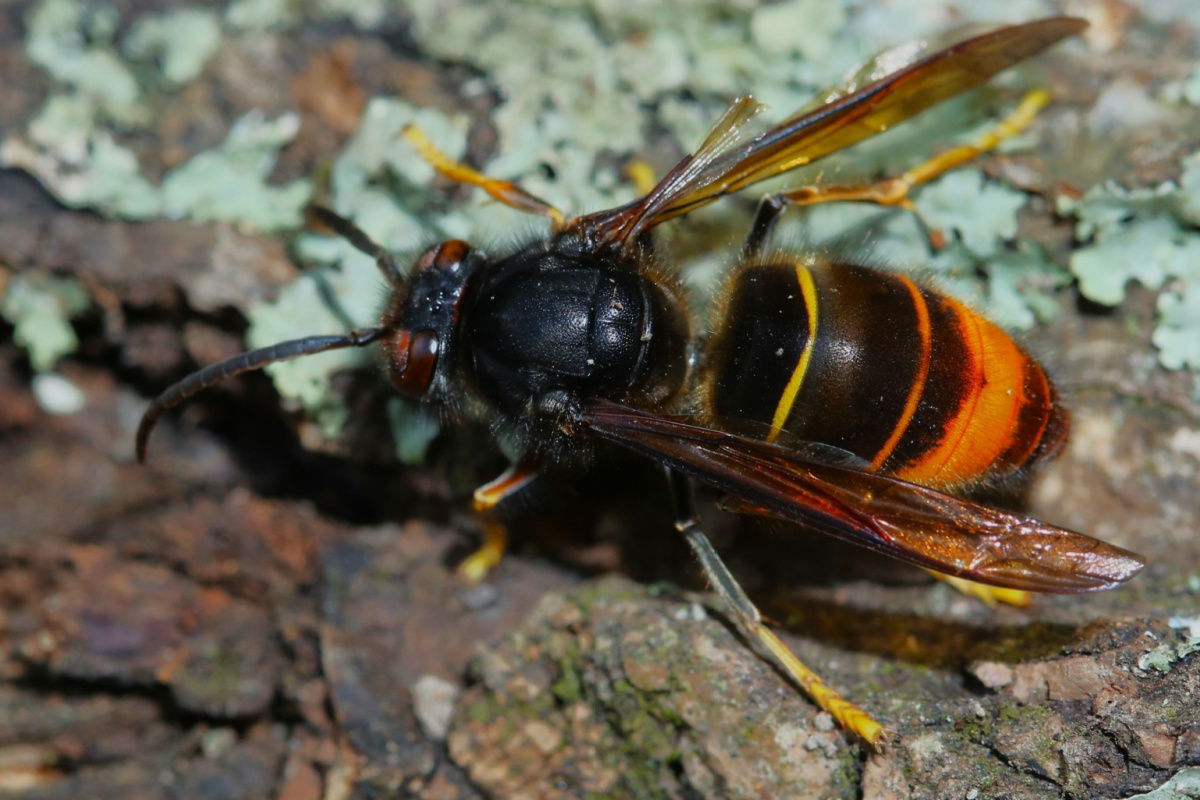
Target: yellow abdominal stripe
[(808, 291)]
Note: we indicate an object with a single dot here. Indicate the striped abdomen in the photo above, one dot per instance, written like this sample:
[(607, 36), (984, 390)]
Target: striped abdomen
[(902, 376)]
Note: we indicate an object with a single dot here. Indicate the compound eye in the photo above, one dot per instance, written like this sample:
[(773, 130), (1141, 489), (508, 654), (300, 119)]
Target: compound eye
[(445, 257), (413, 357)]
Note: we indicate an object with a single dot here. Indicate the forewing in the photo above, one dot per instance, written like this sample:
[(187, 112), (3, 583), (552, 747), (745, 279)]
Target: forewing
[(909, 522), (841, 121), (893, 60)]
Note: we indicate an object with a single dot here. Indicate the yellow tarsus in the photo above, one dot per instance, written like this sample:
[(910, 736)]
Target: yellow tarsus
[(505, 191), (1018, 120), (479, 564), (642, 176), (895, 191), (847, 714), (989, 595)]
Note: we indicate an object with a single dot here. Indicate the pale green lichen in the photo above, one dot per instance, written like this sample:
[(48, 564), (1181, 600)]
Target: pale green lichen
[(1180, 14), (1159, 658), (540, 59), (315, 304), (182, 41), (982, 214), (1137, 251), (798, 27), (40, 307), (71, 40), (1014, 288), (1183, 785), (1177, 336), (1188, 195), (230, 182), (1151, 236), (1190, 626), (65, 124), (1191, 88), (71, 145), (260, 15), (366, 14), (1021, 286), (85, 168), (377, 152), (1163, 657), (1183, 91), (81, 164)]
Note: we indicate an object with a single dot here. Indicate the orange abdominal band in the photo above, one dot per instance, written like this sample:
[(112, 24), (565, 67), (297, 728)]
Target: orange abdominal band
[(992, 398)]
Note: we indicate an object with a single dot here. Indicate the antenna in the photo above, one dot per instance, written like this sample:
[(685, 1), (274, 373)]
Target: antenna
[(244, 362), (358, 238)]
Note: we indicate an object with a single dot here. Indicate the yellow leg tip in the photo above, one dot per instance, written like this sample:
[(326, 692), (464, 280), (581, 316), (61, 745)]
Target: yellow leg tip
[(417, 138), (880, 738), (1035, 100), (480, 564), (847, 714), (477, 566), (642, 176), (989, 595), (505, 191), (1009, 597)]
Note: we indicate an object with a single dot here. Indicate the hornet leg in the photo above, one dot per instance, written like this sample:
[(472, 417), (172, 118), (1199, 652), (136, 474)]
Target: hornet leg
[(641, 174), (517, 477), (505, 191), (749, 621), (893, 191), (990, 595)]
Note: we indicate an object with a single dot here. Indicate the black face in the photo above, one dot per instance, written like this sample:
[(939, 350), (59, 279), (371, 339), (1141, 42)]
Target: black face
[(422, 317)]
